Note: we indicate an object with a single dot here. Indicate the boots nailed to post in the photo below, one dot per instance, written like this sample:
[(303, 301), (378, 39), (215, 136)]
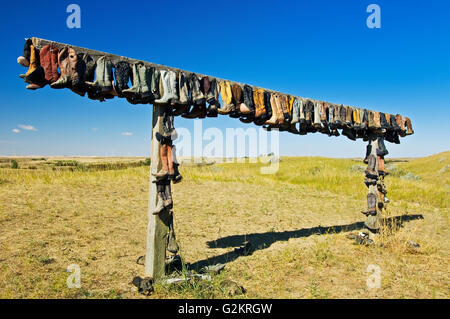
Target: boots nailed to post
[(371, 167), (164, 172)]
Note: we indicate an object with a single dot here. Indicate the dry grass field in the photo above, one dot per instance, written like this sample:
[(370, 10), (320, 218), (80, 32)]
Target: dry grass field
[(93, 212)]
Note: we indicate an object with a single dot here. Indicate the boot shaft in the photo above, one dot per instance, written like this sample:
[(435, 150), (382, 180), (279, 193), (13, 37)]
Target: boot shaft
[(49, 62), (295, 111), (183, 89), (258, 98), (409, 126), (225, 92), (248, 97)]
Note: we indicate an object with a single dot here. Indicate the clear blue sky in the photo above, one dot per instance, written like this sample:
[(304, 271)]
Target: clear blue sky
[(318, 49)]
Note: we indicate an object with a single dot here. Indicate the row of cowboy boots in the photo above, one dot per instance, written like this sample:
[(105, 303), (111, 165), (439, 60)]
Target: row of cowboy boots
[(74, 69), (180, 91)]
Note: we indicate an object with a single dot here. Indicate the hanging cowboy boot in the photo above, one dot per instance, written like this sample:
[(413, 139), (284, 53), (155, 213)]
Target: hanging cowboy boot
[(122, 73), (284, 101), (182, 105), (164, 172), (74, 77), (170, 162), (371, 205), (368, 152), (409, 126), (227, 98), (295, 111), (249, 103), (323, 113), (337, 116), (400, 125), (342, 115), (384, 123), (381, 166), (371, 124), (169, 87), (198, 97), (348, 116), (381, 149), (49, 62), (145, 76), (172, 245), (213, 99), (35, 75), (302, 119), (167, 202), (236, 91), (356, 119), (205, 88), (377, 120), (260, 107), (371, 167), (161, 191), (136, 83), (242, 108), (274, 118), (281, 107), (24, 59), (263, 106), (362, 124), (317, 123), (103, 82)]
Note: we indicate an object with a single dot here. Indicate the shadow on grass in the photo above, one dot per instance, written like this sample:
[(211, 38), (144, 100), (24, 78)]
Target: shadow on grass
[(261, 241)]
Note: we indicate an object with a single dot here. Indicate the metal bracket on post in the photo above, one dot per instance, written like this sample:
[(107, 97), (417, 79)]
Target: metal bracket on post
[(158, 225)]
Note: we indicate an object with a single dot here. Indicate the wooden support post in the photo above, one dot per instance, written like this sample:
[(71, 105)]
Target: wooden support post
[(158, 225), (374, 222)]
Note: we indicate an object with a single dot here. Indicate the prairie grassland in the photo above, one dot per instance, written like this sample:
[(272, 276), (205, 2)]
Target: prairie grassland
[(53, 214)]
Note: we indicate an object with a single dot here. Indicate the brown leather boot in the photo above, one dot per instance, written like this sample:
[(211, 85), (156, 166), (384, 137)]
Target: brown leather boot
[(409, 126), (376, 119), (164, 172), (35, 75), (323, 113), (49, 62), (258, 98), (381, 166), (371, 167), (170, 161), (198, 111), (401, 123), (63, 63), (274, 118), (278, 103)]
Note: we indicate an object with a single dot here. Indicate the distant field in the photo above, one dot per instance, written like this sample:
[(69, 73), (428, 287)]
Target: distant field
[(93, 212)]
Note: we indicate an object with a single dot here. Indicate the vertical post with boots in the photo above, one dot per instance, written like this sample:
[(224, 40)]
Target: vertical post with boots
[(158, 229), (373, 211)]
